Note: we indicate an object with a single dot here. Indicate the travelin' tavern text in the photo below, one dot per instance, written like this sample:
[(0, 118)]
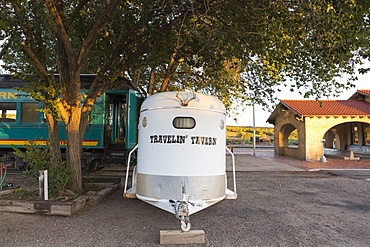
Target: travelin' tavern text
[(181, 139)]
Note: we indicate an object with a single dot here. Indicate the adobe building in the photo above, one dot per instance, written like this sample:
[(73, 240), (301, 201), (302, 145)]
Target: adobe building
[(336, 126)]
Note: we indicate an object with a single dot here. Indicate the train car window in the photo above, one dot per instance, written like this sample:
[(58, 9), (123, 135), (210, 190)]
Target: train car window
[(109, 114), (183, 122), (30, 113), (44, 120), (8, 112)]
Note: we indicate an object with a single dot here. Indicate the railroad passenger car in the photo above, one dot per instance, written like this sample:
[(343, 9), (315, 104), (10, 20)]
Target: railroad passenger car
[(111, 133)]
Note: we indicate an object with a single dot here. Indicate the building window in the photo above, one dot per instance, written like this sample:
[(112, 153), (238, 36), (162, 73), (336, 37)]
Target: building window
[(354, 133), (30, 113), (367, 134), (8, 112)]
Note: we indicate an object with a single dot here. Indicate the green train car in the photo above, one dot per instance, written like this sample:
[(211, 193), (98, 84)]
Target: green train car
[(111, 133)]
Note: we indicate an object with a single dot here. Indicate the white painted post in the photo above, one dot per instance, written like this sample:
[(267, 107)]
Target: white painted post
[(43, 185), (323, 158)]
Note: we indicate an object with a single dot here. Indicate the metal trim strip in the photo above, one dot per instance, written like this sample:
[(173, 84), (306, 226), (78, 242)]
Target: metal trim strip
[(180, 107)]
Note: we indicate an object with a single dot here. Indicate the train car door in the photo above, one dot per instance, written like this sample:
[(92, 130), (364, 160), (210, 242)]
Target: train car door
[(121, 117), (116, 118)]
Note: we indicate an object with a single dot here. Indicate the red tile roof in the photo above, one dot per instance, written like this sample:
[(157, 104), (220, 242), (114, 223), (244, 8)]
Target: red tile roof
[(364, 92), (328, 107), (359, 93)]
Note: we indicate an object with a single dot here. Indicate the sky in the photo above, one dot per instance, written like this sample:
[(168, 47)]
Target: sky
[(245, 118)]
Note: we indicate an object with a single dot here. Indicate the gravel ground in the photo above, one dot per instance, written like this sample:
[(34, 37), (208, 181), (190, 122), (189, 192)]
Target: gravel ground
[(279, 206)]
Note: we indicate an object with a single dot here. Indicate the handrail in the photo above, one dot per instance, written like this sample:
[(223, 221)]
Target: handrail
[(234, 176), (128, 167)]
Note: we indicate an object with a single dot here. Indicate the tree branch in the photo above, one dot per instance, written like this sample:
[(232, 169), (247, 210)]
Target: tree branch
[(61, 29), (19, 13), (34, 59), (4, 50), (45, 74), (170, 71), (151, 80), (94, 31), (80, 5)]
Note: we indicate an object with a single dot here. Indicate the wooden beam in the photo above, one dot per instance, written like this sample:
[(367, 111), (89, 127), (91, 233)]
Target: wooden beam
[(180, 237)]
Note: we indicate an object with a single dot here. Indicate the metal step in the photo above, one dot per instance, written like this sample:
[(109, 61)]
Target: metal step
[(115, 160), (14, 171), (108, 174), (116, 146), (102, 179)]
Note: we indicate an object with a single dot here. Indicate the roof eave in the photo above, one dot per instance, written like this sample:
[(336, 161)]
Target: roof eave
[(292, 109)]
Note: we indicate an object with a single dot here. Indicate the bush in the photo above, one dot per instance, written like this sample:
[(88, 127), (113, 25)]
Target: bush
[(59, 174)]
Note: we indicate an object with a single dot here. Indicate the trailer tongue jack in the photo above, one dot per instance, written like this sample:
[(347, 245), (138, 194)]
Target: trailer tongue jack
[(182, 211)]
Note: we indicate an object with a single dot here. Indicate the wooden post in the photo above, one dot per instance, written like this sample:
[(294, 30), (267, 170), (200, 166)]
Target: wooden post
[(43, 185)]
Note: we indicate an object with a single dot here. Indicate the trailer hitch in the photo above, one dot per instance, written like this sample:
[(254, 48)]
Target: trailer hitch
[(182, 211)]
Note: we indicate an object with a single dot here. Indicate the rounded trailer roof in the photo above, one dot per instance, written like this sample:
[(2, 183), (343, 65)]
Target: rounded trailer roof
[(185, 100)]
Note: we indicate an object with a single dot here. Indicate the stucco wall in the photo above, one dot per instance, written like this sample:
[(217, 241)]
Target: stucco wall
[(316, 127)]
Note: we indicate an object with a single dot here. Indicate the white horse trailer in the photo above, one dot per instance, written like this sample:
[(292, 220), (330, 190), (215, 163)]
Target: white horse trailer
[(181, 158)]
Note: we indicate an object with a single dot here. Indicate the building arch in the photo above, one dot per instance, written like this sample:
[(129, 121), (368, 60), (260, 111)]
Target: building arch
[(348, 136), (332, 139), (285, 131), (282, 144)]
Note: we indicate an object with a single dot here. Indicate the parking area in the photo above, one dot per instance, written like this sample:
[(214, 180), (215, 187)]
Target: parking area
[(279, 204)]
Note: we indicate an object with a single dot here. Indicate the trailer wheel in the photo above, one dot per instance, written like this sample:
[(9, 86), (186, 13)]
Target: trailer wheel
[(185, 226)]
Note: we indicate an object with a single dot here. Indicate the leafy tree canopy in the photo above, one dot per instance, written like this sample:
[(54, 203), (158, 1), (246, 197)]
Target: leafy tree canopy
[(236, 50)]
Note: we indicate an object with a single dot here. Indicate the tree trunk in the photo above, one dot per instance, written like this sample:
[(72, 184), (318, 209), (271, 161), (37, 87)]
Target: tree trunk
[(74, 147), (54, 140)]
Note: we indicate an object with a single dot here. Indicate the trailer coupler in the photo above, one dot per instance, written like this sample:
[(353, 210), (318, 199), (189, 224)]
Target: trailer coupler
[(182, 211)]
